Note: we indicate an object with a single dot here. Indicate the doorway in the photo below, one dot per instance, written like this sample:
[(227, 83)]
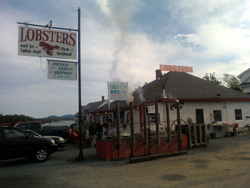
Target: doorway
[(199, 116)]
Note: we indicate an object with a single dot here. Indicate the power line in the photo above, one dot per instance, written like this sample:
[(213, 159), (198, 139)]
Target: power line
[(51, 16)]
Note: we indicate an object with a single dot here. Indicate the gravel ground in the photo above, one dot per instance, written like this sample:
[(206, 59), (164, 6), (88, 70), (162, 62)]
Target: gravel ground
[(224, 163)]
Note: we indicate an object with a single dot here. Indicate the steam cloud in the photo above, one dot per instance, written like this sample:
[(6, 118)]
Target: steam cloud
[(121, 19)]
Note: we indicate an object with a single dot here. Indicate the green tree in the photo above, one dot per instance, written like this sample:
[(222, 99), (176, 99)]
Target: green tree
[(232, 82), (1, 118), (211, 78), (14, 118)]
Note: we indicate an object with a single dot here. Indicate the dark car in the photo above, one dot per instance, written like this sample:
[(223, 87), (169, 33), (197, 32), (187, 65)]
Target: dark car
[(15, 143), (60, 141), (43, 130)]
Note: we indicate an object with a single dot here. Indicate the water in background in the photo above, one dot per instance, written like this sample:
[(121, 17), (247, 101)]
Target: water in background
[(60, 123)]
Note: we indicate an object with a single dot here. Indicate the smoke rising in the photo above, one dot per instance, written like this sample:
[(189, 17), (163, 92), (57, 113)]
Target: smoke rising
[(140, 94), (120, 18)]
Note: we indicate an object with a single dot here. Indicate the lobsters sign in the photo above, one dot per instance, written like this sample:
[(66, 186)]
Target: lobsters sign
[(33, 41)]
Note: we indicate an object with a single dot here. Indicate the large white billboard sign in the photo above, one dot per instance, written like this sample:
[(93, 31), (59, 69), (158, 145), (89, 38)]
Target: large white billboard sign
[(61, 70), (118, 91), (45, 42)]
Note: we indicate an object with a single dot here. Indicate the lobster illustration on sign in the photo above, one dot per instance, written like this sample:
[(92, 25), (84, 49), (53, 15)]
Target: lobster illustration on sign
[(48, 48)]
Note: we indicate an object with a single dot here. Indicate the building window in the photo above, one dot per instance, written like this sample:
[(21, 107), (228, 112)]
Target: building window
[(217, 115), (152, 117), (238, 114)]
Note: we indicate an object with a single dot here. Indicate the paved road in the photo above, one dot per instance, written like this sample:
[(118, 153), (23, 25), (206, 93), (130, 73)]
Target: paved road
[(224, 163)]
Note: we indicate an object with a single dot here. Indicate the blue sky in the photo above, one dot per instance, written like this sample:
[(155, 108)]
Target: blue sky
[(120, 42)]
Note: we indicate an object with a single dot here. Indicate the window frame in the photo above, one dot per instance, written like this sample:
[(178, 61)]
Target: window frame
[(23, 126), (15, 134), (236, 116), (217, 115)]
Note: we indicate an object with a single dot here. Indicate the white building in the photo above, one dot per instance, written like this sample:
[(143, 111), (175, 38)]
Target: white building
[(201, 102), (245, 81)]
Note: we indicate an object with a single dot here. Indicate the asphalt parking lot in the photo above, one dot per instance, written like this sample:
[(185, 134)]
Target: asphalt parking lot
[(224, 163)]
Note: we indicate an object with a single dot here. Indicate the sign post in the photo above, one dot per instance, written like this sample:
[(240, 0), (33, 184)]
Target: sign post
[(54, 42), (81, 158)]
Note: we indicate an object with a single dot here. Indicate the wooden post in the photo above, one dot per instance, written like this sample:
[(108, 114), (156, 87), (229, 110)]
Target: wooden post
[(195, 136), (132, 130), (144, 122), (179, 126), (168, 123), (200, 134), (190, 142), (205, 135), (157, 124), (118, 137)]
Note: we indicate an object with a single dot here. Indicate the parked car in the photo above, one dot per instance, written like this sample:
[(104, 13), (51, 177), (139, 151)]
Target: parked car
[(15, 143), (39, 128), (60, 141)]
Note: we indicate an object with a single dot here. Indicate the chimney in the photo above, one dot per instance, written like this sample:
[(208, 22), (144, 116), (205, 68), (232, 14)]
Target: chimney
[(158, 74), (102, 98)]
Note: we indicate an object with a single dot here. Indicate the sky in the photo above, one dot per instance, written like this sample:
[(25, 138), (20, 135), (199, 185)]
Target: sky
[(120, 41)]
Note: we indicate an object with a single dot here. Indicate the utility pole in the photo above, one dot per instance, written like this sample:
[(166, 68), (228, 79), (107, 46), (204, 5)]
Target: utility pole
[(81, 158)]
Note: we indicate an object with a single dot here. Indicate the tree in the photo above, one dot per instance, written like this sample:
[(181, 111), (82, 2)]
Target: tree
[(211, 78), (232, 82), (14, 118)]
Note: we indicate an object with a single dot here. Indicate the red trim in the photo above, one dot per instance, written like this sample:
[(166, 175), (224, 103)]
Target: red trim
[(205, 100), (174, 100)]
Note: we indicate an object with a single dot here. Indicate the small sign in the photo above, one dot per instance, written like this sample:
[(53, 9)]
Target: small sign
[(62, 70), (175, 68), (47, 42), (118, 90)]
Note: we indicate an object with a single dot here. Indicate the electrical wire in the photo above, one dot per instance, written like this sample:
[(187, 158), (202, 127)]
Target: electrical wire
[(55, 15), (44, 70)]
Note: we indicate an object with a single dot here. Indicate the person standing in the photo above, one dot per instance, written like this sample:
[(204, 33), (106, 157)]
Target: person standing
[(99, 131), (92, 133)]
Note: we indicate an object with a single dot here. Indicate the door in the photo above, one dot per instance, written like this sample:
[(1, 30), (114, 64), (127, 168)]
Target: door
[(14, 143), (199, 116)]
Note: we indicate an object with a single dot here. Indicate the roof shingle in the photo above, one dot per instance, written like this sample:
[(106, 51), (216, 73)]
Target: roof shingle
[(180, 85)]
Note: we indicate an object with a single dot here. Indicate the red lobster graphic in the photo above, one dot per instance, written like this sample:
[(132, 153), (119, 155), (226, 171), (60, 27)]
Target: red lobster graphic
[(48, 48)]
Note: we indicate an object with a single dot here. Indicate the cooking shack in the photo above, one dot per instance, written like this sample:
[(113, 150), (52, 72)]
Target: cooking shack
[(158, 121)]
